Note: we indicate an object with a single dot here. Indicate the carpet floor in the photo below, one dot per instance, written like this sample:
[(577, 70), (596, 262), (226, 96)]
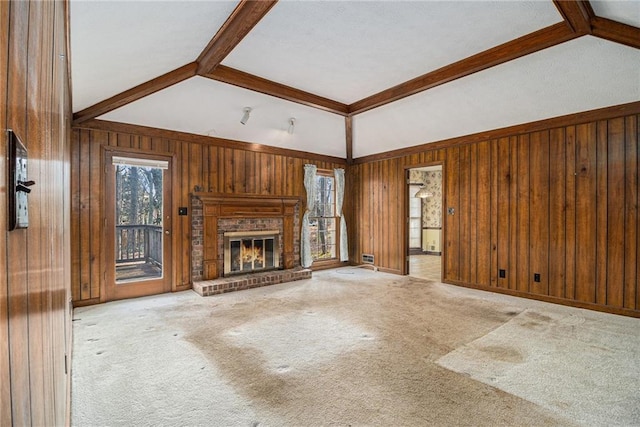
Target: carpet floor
[(352, 347)]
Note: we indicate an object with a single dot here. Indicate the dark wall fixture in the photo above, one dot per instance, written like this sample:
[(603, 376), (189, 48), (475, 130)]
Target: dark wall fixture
[(18, 189)]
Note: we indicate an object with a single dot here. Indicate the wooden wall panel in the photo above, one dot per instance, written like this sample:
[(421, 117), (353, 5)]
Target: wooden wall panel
[(483, 206), (585, 289), (561, 202), (197, 164), (5, 368), (34, 300), (557, 219), (503, 211), (539, 212)]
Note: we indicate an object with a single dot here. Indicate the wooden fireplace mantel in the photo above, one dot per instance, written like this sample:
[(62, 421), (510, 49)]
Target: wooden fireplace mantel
[(215, 206)]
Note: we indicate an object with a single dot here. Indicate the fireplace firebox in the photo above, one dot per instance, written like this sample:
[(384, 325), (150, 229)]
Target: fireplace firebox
[(248, 252)]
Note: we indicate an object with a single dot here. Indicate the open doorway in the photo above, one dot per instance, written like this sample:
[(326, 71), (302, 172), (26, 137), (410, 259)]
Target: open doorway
[(425, 222)]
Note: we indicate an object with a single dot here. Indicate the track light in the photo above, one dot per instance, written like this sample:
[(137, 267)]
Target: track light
[(292, 125), (245, 116)]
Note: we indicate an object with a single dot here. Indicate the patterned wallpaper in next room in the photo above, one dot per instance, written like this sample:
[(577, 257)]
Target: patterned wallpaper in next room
[(431, 206)]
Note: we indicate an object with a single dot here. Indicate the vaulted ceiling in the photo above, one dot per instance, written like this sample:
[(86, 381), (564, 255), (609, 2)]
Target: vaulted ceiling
[(359, 77)]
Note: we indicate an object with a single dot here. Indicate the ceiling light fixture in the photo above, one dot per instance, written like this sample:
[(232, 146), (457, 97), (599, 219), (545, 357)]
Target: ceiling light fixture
[(423, 193), (292, 125), (245, 116)]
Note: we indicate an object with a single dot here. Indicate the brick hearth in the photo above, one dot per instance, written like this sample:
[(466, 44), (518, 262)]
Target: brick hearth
[(255, 280)]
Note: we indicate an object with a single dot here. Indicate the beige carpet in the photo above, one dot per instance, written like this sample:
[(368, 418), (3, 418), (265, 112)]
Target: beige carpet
[(352, 347)]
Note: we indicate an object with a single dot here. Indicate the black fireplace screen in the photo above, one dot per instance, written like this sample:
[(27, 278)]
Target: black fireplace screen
[(245, 253)]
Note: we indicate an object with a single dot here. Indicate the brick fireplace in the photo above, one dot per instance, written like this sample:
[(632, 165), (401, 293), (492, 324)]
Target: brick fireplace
[(214, 215)]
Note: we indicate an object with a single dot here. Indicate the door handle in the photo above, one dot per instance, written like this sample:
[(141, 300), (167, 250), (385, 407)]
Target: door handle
[(166, 232)]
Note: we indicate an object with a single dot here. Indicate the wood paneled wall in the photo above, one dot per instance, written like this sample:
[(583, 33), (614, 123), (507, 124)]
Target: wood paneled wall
[(34, 293), (561, 202), (213, 165)]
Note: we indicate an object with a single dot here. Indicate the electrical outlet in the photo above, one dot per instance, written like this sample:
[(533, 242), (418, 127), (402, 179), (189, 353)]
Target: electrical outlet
[(536, 277), (503, 273)]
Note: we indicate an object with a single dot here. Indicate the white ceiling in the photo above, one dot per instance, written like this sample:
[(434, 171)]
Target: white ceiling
[(346, 51), (206, 107), (627, 12), (583, 74), (116, 45), (349, 50)]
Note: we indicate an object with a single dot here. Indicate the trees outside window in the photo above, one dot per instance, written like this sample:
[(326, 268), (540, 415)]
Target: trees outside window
[(323, 222)]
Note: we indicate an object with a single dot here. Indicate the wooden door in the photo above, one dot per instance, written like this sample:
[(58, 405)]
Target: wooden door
[(137, 225)]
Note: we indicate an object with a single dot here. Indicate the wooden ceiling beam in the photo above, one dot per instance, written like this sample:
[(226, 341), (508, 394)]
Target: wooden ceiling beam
[(616, 31), (348, 128), (258, 84), (244, 17), (577, 14), (530, 43), (135, 93)]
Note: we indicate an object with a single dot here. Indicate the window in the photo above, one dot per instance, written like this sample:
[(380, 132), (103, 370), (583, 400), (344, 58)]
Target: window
[(323, 222)]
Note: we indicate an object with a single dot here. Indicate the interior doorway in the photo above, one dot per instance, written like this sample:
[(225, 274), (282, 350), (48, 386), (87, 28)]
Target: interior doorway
[(137, 224), (424, 245)]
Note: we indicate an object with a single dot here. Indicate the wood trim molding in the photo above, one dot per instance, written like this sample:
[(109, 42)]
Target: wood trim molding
[(616, 32), (268, 87), (567, 120), (241, 21), (576, 13), (348, 129), (135, 93), (205, 140), (530, 43)]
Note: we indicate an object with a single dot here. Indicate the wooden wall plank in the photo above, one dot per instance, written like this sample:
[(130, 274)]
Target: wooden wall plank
[(85, 216), (523, 214), (473, 213), (5, 368), (493, 196), (585, 212), (539, 212), (464, 182), (636, 135), (483, 264), (16, 241), (95, 210), (451, 222), (557, 189), (570, 214), (503, 200), (512, 272), (601, 212), (615, 212), (33, 388), (631, 213)]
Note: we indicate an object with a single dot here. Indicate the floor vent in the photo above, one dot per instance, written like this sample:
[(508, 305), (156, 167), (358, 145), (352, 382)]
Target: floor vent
[(367, 258)]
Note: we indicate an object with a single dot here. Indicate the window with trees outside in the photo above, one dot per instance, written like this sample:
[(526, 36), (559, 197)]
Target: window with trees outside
[(323, 222)]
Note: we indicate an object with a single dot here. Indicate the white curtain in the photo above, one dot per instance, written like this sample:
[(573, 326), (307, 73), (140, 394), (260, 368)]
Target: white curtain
[(344, 247), (305, 242)]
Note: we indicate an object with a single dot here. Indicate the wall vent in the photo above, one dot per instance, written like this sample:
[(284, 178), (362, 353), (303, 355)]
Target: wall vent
[(367, 258)]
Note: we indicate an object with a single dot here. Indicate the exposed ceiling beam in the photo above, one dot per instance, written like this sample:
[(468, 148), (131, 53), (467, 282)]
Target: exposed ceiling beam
[(135, 93), (616, 31), (244, 17), (258, 84), (530, 43), (577, 14)]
